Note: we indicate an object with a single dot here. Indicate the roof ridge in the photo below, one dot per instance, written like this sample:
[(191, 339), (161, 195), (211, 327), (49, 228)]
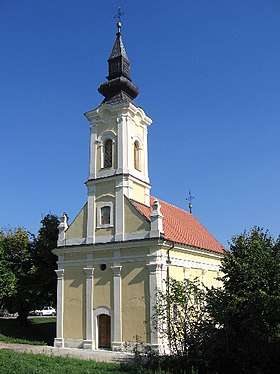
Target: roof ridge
[(174, 206), (181, 227)]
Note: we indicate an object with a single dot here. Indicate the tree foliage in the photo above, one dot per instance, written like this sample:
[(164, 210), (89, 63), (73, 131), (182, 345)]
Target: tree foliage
[(232, 329), (18, 268), (180, 318), (27, 265), (247, 308), (45, 261)]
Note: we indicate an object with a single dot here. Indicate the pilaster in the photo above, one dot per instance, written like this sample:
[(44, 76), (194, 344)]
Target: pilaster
[(153, 286), (117, 312), (91, 215), (93, 149), (123, 146), (146, 172), (59, 340), (89, 342), (119, 211)]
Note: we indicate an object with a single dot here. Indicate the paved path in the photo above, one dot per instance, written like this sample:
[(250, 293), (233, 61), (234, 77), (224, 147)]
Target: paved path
[(99, 356)]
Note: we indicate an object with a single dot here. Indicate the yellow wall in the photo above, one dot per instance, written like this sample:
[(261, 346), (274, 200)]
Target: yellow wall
[(104, 188), (74, 257), (135, 306), (103, 287), (74, 311), (177, 272), (138, 192), (104, 232), (78, 228), (134, 221), (134, 251)]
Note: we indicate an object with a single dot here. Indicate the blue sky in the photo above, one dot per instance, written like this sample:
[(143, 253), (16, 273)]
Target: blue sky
[(209, 77)]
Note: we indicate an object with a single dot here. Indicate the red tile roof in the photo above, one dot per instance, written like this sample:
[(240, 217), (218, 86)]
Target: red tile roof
[(181, 227)]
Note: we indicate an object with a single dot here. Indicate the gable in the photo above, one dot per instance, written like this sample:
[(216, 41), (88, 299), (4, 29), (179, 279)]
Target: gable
[(134, 220), (78, 228)]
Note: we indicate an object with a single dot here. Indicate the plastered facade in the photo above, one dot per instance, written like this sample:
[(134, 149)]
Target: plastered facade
[(111, 258)]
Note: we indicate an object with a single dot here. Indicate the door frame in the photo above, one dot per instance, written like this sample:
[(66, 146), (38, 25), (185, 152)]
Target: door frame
[(96, 314)]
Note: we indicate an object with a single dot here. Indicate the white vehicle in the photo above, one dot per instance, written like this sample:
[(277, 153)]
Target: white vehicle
[(46, 311)]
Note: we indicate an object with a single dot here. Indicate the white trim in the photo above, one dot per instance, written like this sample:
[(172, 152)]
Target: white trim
[(137, 138), (193, 264), (88, 342), (59, 341), (76, 242), (90, 214), (102, 139), (184, 263), (107, 135), (154, 284), (117, 294), (119, 216), (93, 150), (105, 195), (96, 313), (105, 239), (73, 343), (122, 164), (99, 206), (145, 169)]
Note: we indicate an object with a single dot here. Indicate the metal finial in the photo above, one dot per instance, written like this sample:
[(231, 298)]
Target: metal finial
[(118, 16), (190, 199)]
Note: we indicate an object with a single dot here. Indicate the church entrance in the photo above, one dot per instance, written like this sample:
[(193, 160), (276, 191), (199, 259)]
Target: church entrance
[(104, 331)]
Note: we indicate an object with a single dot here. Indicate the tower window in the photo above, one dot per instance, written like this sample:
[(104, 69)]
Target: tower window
[(105, 215), (136, 155), (108, 153)]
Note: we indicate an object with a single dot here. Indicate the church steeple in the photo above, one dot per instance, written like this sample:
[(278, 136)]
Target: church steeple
[(119, 87)]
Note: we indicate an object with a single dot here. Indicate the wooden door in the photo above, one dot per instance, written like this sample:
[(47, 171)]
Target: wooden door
[(104, 331)]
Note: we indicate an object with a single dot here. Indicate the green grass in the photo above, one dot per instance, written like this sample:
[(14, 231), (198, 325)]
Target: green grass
[(39, 331), (28, 363)]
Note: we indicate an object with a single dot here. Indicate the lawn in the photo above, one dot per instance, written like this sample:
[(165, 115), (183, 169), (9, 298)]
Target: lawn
[(39, 331), (28, 363)]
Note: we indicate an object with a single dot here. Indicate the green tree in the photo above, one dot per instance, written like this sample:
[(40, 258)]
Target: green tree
[(7, 277), (180, 318), (45, 261), (27, 268), (18, 267), (246, 309)]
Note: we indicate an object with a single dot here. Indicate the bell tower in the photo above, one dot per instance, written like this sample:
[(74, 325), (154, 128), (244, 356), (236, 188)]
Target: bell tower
[(118, 150)]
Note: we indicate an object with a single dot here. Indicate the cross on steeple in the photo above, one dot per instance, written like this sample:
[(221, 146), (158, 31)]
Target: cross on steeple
[(119, 14), (190, 199), (119, 87)]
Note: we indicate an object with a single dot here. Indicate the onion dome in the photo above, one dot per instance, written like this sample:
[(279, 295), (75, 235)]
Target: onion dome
[(119, 87)]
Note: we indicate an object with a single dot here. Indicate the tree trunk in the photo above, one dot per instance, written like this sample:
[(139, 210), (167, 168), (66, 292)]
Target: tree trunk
[(22, 317)]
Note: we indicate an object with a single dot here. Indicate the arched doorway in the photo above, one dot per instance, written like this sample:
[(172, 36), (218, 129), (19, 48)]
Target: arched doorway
[(104, 331)]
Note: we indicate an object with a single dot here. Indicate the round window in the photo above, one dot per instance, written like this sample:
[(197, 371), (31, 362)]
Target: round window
[(103, 267)]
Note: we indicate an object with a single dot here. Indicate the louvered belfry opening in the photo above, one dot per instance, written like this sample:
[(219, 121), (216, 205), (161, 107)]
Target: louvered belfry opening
[(108, 153)]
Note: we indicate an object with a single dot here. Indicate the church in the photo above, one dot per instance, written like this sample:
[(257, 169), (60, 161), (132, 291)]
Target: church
[(124, 243)]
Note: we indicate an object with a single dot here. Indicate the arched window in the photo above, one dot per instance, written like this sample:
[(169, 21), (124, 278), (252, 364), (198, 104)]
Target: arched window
[(105, 215), (108, 153), (136, 155)]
